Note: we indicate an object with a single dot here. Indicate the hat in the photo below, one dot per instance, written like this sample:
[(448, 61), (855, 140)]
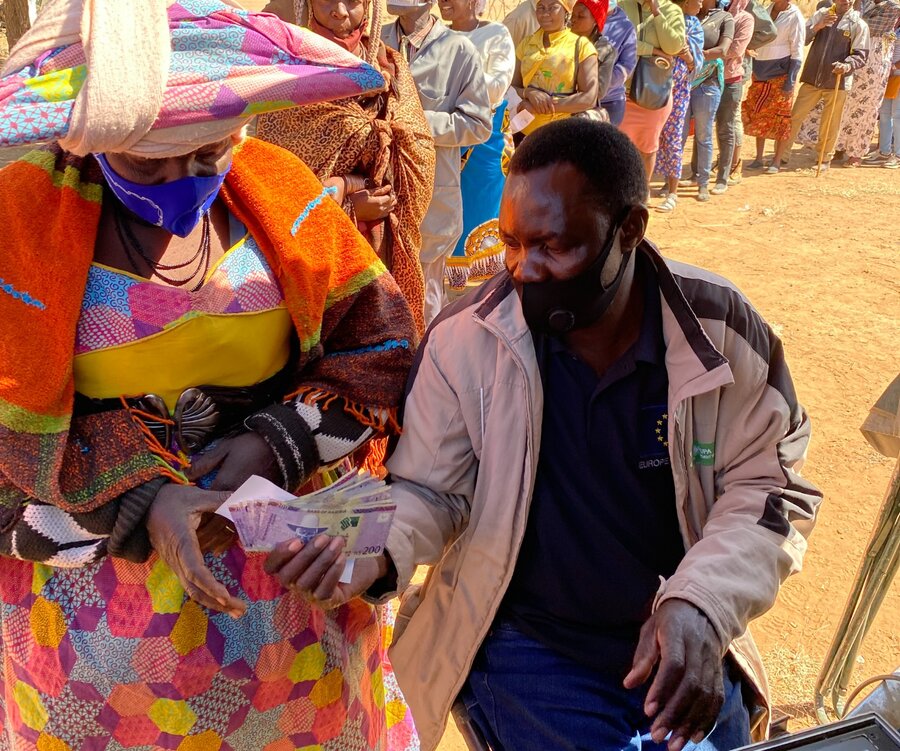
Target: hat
[(599, 10), (160, 78)]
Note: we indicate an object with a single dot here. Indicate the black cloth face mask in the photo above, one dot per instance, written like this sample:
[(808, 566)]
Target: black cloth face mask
[(558, 306)]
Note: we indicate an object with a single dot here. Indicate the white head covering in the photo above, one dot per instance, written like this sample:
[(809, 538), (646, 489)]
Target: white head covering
[(127, 49)]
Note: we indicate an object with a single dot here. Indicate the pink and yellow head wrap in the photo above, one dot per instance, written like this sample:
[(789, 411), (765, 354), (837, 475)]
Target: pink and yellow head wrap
[(160, 78)]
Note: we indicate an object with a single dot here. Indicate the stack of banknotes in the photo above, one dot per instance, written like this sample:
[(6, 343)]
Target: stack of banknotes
[(357, 507)]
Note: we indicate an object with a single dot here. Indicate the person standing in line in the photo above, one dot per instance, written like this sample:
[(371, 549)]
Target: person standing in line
[(671, 140), (861, 109), (192, 309), (556, 70), (588, 21), (376, 152), (735, 170), (521, 22), (454, 94), (732, 92), (706, 92), (660, 32), (767, 110), (839, 40), (482, 176), (889, 118), (621, 34)]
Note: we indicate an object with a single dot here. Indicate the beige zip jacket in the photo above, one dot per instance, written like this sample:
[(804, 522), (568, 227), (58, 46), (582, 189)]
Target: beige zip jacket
[(465, 465)]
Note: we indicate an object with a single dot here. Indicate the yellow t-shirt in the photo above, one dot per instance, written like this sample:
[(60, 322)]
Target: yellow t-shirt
[(552, 68)]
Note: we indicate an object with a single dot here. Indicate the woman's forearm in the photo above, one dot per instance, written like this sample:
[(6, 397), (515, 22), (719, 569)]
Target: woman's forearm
[(575, 103)]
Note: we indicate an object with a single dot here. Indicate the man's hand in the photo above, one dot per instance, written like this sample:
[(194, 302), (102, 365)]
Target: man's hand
[(687, 692), (236, 459), (827, 21), (314, 570), (172, 522), (841, 69)]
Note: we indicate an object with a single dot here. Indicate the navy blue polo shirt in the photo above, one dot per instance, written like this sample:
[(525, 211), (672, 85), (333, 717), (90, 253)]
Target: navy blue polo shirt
[(603, 526)]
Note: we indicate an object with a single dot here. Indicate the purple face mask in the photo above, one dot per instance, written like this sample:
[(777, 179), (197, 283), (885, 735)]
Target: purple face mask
[(177, 206)]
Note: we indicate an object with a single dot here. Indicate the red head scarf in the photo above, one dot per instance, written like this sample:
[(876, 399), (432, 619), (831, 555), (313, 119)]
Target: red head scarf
[(599, 10)]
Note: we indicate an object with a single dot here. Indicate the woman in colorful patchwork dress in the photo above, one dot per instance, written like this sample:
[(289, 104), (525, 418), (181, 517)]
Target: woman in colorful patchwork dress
[(182, 307), (482, 178), (376, 151), (556, 70)]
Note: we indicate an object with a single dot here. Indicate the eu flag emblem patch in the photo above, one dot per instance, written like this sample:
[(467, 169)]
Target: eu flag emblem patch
[(654, 436)]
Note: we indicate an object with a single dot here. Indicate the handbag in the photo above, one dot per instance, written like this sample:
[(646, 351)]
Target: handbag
[(764, 30), (651, 86)]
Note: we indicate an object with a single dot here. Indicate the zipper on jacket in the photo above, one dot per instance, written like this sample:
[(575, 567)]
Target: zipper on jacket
[(687, 530)]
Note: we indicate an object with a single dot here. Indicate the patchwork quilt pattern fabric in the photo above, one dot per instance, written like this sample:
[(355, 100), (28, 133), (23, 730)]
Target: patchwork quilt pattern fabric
[(114, 656), (225, 63), (119, 308)]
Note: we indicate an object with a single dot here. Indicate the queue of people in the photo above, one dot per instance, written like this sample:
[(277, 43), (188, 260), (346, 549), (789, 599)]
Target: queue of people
[(184, 306), (661, 92)]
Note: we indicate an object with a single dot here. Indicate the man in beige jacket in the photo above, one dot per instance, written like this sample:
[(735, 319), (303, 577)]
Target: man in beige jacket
[(600, 461)]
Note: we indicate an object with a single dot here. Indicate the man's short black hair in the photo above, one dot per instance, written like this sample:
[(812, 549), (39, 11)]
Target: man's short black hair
[(601, 152)]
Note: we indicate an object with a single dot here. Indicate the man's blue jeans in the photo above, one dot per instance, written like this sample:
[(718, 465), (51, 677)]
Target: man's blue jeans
[(702, 108), (524, 696)]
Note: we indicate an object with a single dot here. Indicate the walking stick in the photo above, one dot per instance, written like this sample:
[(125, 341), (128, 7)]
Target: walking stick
[(828, 122)]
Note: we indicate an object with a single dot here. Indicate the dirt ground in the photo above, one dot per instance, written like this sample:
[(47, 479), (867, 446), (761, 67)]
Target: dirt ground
[(820, 258)]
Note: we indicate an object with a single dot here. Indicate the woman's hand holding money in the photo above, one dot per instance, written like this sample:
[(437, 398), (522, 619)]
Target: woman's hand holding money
[(173, 521)]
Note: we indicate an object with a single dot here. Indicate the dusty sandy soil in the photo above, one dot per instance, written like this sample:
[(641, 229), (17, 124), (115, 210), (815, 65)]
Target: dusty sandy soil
[(820, 258)]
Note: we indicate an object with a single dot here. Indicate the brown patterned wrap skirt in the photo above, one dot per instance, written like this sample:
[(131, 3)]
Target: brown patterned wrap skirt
[(767, 109)]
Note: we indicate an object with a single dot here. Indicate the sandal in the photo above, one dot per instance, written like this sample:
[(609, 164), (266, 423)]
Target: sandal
[(668, 206), (773, 169), (755, 164)]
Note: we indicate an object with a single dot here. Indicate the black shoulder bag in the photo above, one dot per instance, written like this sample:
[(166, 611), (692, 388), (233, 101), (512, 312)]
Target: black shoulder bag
[(651, 86)]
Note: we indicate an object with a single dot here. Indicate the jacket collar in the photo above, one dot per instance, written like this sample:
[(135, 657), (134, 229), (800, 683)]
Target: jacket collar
[(693, 362), (437, 31)]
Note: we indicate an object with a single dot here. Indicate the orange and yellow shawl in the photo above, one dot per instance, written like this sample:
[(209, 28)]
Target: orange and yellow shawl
[(355, 331)]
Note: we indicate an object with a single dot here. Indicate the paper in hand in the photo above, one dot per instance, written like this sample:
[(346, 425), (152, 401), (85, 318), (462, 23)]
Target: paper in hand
[(358, 508)]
